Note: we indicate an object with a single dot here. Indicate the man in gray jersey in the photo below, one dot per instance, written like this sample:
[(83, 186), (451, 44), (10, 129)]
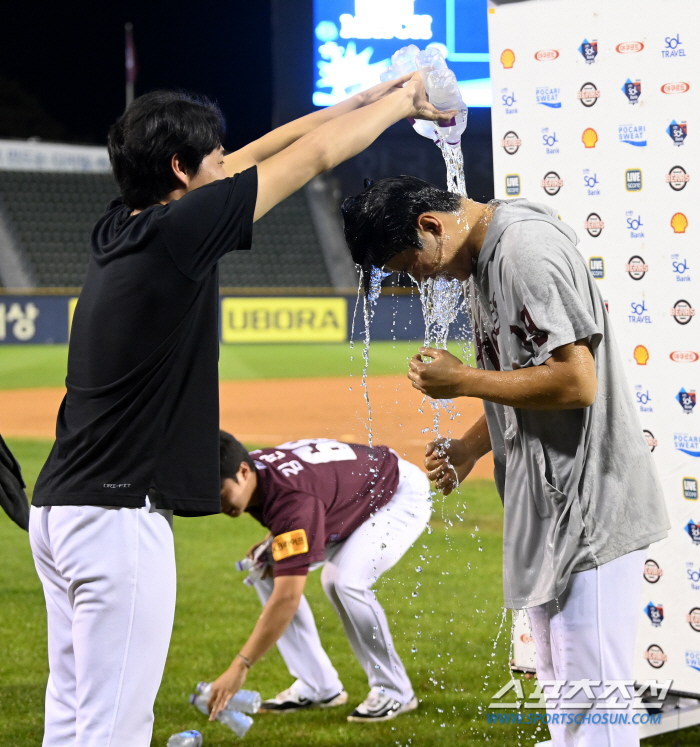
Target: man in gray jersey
[(581, 496)]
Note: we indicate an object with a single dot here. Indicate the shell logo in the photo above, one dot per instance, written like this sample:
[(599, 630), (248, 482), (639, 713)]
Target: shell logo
[(675, 87), (629, 47), (641, 355), (679, 223), (508, 58), (546, 54), (589, 137)]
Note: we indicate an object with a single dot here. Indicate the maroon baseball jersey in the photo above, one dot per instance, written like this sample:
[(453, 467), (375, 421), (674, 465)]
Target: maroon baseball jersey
[(317, 491)]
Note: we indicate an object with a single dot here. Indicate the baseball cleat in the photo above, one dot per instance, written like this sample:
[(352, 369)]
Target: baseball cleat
[(289, 701), (378, 707)]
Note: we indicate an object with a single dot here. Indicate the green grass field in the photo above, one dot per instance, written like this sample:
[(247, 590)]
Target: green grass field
[(453, 622)]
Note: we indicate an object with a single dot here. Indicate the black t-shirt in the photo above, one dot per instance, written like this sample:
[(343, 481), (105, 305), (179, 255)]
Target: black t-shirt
[(141, 413)]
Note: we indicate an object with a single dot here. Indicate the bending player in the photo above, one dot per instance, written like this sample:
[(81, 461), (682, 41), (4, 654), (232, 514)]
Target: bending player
[(353, 509), (582, 499), (143, 377)]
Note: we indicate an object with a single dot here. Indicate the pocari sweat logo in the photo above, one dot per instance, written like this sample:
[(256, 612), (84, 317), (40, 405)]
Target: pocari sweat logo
[(632, 134), (591, 182), (692, 659), (678, 132), (509, 101), (680, 267), (673, 47), (550, 141), (548, 96), (589, 50), (687, 443), (655, 612)]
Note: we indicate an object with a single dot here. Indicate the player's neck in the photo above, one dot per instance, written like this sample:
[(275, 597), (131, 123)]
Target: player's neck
[(475, 218)]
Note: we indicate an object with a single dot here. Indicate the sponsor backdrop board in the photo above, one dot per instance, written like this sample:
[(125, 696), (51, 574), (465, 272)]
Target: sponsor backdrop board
[(596, 111), (32, 319)]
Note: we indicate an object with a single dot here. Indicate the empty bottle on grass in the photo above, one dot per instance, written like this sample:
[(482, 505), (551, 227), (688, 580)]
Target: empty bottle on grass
[(238, 722), (190, 738), (245, 701)]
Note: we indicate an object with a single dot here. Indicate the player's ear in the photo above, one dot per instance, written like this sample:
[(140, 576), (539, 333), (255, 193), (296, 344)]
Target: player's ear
[(430, 223), (244, 471)]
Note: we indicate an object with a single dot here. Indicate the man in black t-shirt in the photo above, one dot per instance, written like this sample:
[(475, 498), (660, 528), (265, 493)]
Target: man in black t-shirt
[(353, 509), (137, 433)]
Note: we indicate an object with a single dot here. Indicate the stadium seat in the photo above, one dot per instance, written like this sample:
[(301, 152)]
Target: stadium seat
[(52, 214)]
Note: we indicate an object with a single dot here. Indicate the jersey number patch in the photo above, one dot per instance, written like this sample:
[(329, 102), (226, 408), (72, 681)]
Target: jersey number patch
[(290, 543)]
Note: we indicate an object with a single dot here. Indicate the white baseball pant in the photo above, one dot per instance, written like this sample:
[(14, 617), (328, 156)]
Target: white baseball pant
[(109, 583), (589, 634), (351, 569)]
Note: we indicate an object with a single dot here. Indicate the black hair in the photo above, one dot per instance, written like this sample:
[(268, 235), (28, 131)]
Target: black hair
[(382, 221), (232, 454), (154, 128)]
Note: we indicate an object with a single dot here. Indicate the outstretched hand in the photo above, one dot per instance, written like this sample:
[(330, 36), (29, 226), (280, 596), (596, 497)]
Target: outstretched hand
[(448, 462), (440, 378), (225, 687)]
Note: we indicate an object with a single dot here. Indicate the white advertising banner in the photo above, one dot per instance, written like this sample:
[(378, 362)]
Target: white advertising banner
[(30, 155), (596, 111)]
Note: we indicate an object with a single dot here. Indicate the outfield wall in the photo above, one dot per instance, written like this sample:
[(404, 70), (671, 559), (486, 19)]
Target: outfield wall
[(35, 318)]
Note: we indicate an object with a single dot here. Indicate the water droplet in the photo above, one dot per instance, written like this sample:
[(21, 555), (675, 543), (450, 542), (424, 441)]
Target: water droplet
[(419, 569)]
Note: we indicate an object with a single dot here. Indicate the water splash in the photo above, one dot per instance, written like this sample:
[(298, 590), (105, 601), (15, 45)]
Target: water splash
[(454, 161)]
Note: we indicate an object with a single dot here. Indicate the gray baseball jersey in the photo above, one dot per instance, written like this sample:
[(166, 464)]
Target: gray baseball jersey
[(579, 487)]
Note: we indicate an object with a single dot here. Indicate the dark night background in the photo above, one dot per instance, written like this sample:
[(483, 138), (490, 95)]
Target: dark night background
[(62, 76)]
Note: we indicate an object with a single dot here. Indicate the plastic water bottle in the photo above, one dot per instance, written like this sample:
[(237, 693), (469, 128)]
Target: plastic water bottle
[(245, 701), (444, 94), (238, 722), (190, 738), (428, 60)]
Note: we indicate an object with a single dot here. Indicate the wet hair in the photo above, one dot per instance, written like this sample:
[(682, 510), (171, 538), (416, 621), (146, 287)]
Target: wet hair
[(154, 128), (232, 454), (382, 221)]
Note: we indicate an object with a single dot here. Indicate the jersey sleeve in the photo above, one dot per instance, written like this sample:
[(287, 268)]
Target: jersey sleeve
[(209, 222), (545, 287), (299, 533)]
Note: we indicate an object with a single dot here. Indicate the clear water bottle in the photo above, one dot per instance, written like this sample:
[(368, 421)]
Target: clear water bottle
[(238, 722), (428, 60), (190, 738), (245, 701), (444, 94)]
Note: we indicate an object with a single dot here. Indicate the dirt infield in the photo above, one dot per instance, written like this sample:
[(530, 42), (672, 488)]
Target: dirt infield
[(274, 411)]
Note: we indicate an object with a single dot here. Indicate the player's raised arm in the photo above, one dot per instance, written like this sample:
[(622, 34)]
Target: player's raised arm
[(274, 620), (282, 137), (337, 141)]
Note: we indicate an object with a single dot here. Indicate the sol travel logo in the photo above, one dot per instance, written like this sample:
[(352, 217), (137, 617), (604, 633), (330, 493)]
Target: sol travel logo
[(673, 47), (588, 94), (552, 183), (677, 178)]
